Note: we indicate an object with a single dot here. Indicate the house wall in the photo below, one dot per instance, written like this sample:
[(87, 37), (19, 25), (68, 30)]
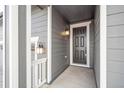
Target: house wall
[(1, 68), (1, 54), (1, 31), (59, 45), (39, 27), (97, 45), (115, 46), (22, 46), (39, 21), (92, 44), (7, 46)]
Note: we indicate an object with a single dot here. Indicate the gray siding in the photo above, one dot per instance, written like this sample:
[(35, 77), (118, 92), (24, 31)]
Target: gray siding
[(39, 27), (59, 45), (97, 45), (1, 54), (39, 21), (92, 44), (1, 68), (7, 46), (115, 46), (1, 29), (22, 46)]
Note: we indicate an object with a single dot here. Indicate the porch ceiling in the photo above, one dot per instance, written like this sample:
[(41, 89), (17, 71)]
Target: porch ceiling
[(75, 13)]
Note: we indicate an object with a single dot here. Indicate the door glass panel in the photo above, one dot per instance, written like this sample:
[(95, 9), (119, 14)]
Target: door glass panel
[(79, 45)]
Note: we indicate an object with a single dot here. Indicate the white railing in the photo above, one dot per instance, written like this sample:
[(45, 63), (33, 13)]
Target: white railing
[(39, 72)]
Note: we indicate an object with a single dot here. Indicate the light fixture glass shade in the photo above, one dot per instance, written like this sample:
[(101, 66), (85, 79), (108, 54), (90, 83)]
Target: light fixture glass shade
[(39, 50), (67, 33)]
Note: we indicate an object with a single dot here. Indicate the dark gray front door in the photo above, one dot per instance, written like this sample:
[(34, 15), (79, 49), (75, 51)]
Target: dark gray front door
[(79, 45)]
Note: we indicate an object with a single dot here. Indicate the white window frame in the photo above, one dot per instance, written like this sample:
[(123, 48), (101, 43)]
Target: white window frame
[(87, 24)]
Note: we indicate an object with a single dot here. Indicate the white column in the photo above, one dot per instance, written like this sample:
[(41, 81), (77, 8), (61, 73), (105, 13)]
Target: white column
[(28, 42), (13, 48), (103, 47)]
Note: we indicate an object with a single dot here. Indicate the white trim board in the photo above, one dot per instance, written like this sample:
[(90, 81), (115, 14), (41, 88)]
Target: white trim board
[(103, 47), (49, 64), (13, 48), (88, 42), (28, 46)]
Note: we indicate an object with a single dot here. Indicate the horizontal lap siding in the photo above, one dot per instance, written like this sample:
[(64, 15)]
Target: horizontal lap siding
[(1, 30), (115, 46), (1, 55), (1, 68), (91, 44), (59, 45), (39, 21)]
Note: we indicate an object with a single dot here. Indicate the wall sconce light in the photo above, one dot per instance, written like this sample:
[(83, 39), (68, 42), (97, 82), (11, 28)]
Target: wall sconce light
[(66, 31), (40, 49)]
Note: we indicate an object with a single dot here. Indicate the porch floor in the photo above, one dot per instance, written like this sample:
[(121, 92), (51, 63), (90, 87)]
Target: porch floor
[(74, 77)]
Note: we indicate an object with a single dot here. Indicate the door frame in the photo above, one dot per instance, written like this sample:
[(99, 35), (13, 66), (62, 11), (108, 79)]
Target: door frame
[(87, 24)]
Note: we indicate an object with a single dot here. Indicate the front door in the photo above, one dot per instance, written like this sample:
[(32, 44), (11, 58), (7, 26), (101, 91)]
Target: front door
[(79, 45)]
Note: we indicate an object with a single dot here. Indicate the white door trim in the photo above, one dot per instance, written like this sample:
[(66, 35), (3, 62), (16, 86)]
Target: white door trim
[(49, 64), (88, 42)]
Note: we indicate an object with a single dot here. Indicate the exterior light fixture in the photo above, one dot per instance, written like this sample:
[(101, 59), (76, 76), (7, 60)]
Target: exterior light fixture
[(40, 49), (66, 31)]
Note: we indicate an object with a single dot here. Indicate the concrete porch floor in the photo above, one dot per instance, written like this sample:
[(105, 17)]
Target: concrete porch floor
[(74, 77)]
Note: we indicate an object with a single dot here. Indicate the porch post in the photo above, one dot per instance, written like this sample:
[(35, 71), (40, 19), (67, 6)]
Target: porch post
[(28, 47), (13, 48), (103, 49)]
